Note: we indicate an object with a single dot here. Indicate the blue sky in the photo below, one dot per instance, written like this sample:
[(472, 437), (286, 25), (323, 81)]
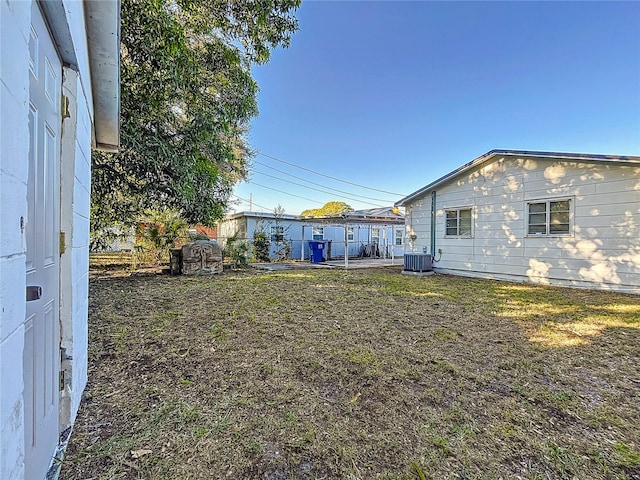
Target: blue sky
[(392, 95)]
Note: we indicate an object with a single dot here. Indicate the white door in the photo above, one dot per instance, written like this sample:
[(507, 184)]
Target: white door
[(42, 337)]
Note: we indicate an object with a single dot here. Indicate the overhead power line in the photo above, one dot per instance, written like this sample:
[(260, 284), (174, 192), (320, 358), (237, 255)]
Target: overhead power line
[(328, 176), (251, 202), (317, 189), (286, 193), (319, 184)]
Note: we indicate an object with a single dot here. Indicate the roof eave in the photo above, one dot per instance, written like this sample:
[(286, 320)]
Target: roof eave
[(522, 153), (103, 38)]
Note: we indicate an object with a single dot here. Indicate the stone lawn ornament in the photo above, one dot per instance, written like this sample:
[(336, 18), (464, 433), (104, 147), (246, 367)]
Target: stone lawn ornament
[(199, 257)]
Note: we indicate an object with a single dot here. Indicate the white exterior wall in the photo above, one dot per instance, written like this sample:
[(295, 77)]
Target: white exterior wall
[(15, 21), (602, 250), (361, 236), (75, 199), (230, 227), (292, 231), (15, 18)]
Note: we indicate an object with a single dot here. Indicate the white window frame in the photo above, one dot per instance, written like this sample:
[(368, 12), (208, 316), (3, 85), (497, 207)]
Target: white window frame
[(350, 234), (277, 233), (548, 218), (399, 237), (375, 238), (317, 233), (458, 222)]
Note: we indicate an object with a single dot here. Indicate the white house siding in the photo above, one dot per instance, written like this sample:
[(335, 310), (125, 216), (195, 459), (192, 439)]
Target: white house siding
[(15, 18), (602, 251)]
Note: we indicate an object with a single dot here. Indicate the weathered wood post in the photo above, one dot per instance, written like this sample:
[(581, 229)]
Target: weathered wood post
[(175, 261)]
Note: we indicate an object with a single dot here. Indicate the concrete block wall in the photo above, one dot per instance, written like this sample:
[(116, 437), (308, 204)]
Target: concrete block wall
[(80, 249), (15, 26), (75, 208), (15, 21)]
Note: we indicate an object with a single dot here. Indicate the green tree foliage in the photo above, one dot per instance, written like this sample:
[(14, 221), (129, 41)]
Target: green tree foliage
[(157, 232), (261, 244), (283, 245), (237, 251), (329, 208), (187, 96)]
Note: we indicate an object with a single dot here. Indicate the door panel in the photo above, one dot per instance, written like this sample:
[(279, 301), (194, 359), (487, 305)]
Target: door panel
[(41, 358)]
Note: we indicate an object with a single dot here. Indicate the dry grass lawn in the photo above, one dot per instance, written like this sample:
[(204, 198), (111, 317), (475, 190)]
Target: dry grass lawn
[(363, 374)]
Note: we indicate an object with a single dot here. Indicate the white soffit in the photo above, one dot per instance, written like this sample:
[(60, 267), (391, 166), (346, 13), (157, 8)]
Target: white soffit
[(102, 18)]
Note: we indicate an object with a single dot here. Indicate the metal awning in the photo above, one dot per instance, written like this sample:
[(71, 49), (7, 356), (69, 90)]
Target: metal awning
[(385, 216), (374, 217)]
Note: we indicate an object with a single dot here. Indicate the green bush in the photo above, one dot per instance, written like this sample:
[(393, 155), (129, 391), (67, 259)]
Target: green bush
[(237, 251), (261, 247), (156, 233)]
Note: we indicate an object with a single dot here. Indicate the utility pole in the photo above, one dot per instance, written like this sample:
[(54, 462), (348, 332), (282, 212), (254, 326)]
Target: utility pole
[(251, 202)]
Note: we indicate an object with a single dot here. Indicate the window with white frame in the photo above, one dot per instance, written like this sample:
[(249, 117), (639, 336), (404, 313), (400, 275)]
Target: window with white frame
[(318, 233), (375, 235), (399, 236), (458, 222), (549, 217), (277, 233), (350, 235)]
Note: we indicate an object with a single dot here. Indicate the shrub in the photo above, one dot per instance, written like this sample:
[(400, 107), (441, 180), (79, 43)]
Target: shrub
[(261, 246)]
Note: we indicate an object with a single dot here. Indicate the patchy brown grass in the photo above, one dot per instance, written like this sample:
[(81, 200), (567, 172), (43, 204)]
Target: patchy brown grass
[(333, 374)]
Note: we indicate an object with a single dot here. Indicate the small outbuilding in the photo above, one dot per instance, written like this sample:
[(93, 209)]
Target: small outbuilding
[(60, 70)]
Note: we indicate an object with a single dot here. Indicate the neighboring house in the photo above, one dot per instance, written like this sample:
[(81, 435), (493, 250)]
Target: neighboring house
[(59, 81), (548, 218), (243, 225), (382, 227)]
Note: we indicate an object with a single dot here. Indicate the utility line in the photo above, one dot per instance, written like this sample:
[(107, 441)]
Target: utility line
[(317, 189), (251, 202), (327, 176), (319, 184), (286, 193)]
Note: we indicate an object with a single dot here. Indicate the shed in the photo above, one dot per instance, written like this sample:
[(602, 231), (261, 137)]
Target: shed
[(60, 70)]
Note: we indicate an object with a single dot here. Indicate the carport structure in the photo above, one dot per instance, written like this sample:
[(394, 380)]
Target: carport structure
[(381, 217)]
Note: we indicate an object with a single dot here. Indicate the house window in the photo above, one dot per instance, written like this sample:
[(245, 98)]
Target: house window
[(458, 222), (318, 233), (350, 234), (375, 235), (399, 236), (277, 233), (552, 217)]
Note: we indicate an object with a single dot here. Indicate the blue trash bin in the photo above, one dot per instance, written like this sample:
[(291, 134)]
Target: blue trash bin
[(317, 250)]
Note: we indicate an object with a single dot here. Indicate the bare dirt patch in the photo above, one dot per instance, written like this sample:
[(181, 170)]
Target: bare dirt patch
[(333, 374)]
